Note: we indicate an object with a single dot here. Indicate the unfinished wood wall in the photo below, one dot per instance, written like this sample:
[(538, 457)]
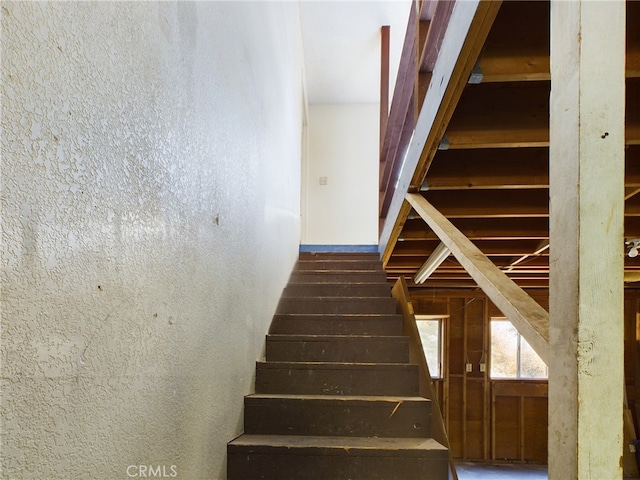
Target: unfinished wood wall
[(499, 419)]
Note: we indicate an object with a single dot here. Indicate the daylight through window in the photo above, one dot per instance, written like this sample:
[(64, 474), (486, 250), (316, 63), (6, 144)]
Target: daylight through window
[(430, 329), (511, 354)]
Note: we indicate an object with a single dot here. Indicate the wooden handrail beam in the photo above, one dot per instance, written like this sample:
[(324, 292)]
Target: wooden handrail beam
[(400, 292), (384, 82)]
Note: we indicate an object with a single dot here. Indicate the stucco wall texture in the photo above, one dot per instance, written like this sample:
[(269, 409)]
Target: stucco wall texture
[(150, 219)]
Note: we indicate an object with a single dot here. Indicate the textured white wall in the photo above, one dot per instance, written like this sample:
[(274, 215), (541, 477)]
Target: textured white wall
[(343, 147), (150, 218)]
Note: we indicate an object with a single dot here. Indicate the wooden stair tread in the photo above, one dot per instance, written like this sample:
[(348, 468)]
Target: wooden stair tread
[(330, 253), (337, 365), (337, 298), (348, 315), (322, 338), (342, 445), (340, 283), (340, 398), (343, 271)]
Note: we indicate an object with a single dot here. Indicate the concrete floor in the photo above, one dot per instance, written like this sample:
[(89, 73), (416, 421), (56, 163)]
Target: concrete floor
[(507, 471)]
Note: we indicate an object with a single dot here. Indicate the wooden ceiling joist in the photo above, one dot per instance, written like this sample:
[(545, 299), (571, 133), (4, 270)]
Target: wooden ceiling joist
[(490, 203), (483, 160), (516, 114), (420, 248), (497, 168), (484, 229), (517, 54)]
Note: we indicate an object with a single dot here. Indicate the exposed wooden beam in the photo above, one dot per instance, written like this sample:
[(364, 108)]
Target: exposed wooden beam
[(632, 166), (631, 192), (517, 47), (542, 251), (501, 115), (507, 248), (539, 263), (490, 203), (586, 298), (497, 168), (632, 206), (531, 320), (633, 39), (504, 168), (517, 115), (632, 120), (518, 50), (489, 229)]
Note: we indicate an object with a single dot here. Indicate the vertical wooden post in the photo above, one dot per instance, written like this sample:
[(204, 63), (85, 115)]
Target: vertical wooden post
[(384, 83), (586, 229)]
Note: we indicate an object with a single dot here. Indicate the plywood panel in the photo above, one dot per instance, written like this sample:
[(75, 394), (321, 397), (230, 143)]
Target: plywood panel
[(430, 306), (475, 420), (506, 428), (534, 433), (454, 417), (456, 336)]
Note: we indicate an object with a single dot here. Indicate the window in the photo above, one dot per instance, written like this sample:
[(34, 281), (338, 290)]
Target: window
[(430, 329), (511, 355)]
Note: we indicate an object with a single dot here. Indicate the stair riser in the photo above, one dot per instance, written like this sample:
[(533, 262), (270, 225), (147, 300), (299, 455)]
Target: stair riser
[(337, 305), (401, 380), (244, 465), (312, 417), (349, 350), (336, 325), (338, 265), (371, 256), (337, 290), (337, 277)]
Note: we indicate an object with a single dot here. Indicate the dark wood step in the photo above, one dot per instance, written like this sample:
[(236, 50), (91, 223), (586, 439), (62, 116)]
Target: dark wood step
[(371, 416), (282, 457), (336, 305), (337, 348), (382, 290), (333, 276), (318, 324), (309, 378), (347, 265), (339, 256)]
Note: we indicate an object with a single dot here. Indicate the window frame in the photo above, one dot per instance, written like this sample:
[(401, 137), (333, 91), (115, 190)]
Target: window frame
[(441, 342), (519, 340)]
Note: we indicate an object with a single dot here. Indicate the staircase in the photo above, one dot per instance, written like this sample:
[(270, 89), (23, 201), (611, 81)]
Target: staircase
[(336, 397)]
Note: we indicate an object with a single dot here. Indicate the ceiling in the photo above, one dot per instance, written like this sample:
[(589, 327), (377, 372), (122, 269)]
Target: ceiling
[(342, 47), (491, 179)]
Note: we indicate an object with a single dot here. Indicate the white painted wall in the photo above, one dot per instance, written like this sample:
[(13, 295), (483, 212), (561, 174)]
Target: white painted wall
[(343, 147), (150, 218)]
